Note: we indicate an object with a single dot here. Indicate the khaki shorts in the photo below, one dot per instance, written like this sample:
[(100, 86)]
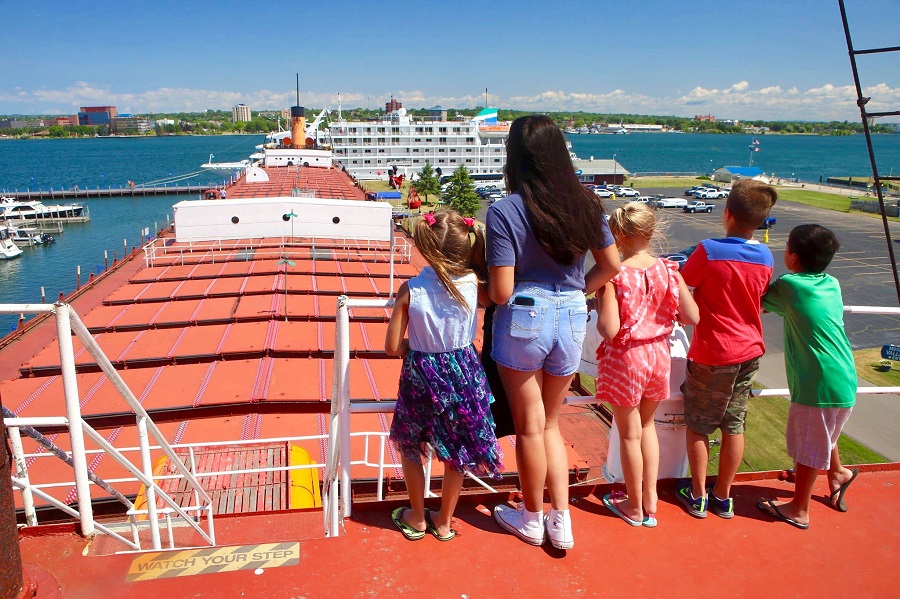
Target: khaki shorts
[(716, 396)]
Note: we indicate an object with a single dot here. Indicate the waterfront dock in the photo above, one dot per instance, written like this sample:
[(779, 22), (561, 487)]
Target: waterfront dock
[(108, 192)]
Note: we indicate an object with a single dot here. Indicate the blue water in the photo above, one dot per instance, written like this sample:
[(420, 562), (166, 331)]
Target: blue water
[(805, 157), (117, 222)]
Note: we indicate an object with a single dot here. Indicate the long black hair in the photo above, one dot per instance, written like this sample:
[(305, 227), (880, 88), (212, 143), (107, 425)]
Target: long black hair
[(565, 215)]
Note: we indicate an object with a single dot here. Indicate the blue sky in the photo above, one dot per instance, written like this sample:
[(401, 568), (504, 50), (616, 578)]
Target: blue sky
[(763, 59)]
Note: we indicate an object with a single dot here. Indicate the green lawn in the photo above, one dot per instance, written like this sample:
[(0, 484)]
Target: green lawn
[(815, 198), (867, 362)]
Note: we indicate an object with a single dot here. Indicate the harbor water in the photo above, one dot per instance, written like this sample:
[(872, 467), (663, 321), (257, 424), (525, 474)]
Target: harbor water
[(117, 223)]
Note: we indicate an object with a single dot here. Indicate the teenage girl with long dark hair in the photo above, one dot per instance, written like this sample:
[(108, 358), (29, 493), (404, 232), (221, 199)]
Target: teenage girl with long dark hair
[(537, 239)]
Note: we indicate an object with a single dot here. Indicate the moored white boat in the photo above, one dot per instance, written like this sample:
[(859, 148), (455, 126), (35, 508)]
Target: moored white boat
[(13, 209), (8, 249), (27, 236)]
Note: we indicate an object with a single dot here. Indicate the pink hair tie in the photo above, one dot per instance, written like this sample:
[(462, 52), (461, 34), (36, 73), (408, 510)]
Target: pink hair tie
[(429, 218), (470, 222)]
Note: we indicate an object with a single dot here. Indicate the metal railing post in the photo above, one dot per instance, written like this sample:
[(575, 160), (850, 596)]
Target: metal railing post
[(15, 441), (147, 468), (342, 367), (73, 413)]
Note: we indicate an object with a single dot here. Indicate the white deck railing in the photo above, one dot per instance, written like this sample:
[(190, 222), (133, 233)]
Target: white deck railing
[(67, 322), (192, 252), (336, 469)]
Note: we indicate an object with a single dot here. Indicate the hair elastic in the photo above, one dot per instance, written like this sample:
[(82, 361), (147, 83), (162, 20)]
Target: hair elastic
[(429, 218), (470, 222)]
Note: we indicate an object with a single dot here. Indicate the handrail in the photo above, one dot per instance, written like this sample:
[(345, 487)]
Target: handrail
[(67, 323), (160, 248)]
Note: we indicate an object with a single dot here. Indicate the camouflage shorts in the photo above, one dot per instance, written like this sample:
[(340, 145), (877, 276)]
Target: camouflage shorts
[(716, 396)]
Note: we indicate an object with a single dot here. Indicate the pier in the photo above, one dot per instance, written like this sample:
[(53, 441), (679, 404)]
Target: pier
[(109, 192)]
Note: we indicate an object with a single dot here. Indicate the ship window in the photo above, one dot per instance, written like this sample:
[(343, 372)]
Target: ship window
[(368, 151), (395, 140), (457, 130), (416, 161), (442, 140), (381, 129), (429, 130), (496, 160), (442, 129), (442, 150), (470, 140), (468, 160), (381, 151), (416, 150), (468, 150), (418, 140), (367, 162), (428, 140), (395, 130)]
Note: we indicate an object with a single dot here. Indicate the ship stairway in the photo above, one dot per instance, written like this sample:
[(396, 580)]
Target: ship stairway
[(873, 107)]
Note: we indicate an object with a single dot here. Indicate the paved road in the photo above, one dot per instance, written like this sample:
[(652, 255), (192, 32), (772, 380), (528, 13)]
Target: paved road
[(863, 268)]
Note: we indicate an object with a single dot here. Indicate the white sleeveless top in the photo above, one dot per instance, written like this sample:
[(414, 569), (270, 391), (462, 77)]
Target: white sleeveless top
[(437, 322)]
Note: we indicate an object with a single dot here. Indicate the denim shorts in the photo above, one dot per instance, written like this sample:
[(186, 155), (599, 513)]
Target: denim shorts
[(547, 335)]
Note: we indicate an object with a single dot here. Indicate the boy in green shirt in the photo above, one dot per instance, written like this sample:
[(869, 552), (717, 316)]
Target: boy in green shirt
[(820, 370)]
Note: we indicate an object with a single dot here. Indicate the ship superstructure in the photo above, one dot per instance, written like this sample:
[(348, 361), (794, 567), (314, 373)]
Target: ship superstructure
[(402, 143)]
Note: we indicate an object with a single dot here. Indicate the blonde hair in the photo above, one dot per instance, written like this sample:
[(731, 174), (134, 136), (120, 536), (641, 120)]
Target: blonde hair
[(634, 219), (447, 247)]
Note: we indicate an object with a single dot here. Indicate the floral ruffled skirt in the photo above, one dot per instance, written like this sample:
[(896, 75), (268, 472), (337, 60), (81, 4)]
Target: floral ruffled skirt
[(444, 400)]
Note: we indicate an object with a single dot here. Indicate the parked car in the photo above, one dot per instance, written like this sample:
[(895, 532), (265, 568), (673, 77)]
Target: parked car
[(644, 199), (671, 203), (768, 223), (628, 192), (698, 206), (603, 193), (690, 190), (710, 194)]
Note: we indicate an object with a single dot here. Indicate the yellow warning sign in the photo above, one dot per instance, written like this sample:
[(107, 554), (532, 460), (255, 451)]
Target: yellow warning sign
[(192, 562)]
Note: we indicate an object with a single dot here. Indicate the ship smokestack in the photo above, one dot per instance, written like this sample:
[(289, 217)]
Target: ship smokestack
[(298, 127)]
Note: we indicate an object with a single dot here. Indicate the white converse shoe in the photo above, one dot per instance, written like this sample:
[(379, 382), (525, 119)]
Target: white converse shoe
[(559, 528), (526, 525)]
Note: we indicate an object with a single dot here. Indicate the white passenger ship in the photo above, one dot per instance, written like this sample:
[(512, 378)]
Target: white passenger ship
[(370, 149)]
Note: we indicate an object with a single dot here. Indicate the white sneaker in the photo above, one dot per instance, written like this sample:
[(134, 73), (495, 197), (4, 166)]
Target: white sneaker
[(526, 525), (559, 528)]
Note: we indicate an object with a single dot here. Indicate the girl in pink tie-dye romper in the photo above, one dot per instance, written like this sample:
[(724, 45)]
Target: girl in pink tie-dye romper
[(637, 312)]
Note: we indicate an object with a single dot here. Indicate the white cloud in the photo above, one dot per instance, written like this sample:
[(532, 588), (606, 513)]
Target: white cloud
[(739, 100)]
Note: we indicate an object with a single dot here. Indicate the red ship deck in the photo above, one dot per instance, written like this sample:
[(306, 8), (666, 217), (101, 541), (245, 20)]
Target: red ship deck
[(856, 553)]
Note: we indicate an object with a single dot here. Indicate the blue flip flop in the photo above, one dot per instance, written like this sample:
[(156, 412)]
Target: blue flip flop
[(608, 502), (408, 531)]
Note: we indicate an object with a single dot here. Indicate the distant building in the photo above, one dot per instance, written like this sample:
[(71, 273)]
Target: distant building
[(240, 114), (730, 174), (13, 124), (437, 114), (164, 122), (600, 172), (65, 121), (96, 115), (393, 105), (286, 114), (705, 118), (127, 124)]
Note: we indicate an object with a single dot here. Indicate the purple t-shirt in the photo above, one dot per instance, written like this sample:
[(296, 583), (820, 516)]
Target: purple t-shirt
[(511, 242)]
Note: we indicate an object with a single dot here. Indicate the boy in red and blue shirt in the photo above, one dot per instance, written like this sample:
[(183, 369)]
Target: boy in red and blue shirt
[(729, 277)]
